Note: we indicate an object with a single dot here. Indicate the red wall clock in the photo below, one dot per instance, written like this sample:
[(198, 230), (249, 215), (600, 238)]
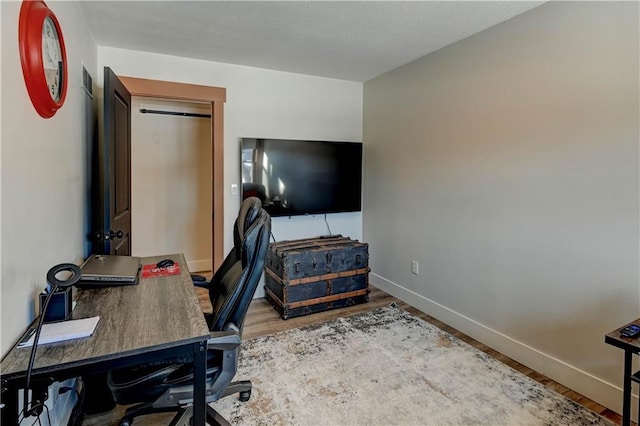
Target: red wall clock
[(43, 57)]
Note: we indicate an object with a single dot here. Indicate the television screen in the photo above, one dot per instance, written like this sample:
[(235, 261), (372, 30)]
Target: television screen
[(295, 177)]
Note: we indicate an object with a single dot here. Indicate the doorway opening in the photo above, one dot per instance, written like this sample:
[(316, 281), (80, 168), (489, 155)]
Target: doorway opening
[(171, 180), (215, 97)]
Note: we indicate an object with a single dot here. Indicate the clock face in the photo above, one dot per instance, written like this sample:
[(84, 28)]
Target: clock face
[(52, 58)]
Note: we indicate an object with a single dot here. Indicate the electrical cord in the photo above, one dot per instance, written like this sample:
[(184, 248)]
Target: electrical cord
[(37, 420), (48, 416), (33, 411), (77, 413), (65, 389), (325, 221), (36, 406)]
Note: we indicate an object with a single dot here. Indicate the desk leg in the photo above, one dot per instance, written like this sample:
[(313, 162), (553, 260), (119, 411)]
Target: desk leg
[(199, 383), (626, 390), (9, 405)]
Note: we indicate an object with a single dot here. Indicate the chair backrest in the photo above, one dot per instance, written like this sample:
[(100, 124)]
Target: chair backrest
[(235, 282), (249, 210), (247, 213)]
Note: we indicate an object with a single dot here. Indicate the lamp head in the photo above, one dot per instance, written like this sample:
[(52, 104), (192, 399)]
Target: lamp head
[(71, 280)]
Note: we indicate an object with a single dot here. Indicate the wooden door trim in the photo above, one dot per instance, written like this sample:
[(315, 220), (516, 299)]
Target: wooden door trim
[(216, 96), (173, 90)]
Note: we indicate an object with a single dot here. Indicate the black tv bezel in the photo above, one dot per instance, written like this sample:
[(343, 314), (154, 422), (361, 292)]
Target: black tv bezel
[(307, 212)]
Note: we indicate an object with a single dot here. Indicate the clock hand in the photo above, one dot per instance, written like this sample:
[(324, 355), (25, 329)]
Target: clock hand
[(48, 49)]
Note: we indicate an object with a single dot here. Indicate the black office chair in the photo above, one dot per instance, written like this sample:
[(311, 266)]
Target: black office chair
[(165, 386)]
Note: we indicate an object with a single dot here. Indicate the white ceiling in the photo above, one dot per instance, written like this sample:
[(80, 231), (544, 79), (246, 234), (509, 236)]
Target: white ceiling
[(349, 40)]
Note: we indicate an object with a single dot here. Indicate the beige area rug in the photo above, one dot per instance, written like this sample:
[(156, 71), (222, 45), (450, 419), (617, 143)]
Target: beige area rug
[(387, 367)]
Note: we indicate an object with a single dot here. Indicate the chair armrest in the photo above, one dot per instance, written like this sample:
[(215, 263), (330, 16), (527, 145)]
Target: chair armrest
[(199, 281), (229, 343), (201, 285), (223, 340)]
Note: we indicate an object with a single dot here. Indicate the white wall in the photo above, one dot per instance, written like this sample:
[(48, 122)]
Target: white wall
[(43, 171), (171, 181), (507, 165), (266, 104)]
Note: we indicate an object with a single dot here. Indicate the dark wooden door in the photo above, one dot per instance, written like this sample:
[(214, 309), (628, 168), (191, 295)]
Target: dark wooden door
[(115, 176)]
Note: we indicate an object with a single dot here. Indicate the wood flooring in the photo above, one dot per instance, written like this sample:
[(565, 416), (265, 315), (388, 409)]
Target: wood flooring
[(262, 319)]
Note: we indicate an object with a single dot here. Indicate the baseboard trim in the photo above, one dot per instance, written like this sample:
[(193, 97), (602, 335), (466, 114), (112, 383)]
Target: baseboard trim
[(202, 265), (580, 381)]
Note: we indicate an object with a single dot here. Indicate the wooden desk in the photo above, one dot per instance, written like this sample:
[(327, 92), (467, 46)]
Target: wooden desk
[(630, 347), (159, 318)]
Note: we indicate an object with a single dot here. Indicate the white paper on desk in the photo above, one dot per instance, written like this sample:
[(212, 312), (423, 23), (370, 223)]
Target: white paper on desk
[(63, 330)]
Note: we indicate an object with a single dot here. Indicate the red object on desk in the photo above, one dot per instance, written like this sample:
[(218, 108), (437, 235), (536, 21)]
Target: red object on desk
[(152, 271)]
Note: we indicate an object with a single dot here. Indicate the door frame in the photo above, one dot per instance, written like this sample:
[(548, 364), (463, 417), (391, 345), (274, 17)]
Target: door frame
[(216, 96)]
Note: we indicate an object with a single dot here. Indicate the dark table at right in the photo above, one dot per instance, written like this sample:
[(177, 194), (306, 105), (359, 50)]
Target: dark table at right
[(630, 347)]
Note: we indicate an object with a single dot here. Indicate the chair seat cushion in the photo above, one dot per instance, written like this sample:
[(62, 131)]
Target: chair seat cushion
[(146, 383)]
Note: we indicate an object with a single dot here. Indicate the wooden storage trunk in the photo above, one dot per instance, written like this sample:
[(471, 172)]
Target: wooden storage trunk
[(316, 274)]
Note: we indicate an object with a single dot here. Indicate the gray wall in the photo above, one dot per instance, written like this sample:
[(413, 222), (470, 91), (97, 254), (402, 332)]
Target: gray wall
[(507, 165), (44, 171)]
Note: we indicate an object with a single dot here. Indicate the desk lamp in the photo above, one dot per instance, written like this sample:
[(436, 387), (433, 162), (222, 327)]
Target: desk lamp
[(55, 283)]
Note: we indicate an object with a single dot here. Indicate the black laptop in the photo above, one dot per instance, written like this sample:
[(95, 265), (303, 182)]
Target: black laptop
[(103, 269)]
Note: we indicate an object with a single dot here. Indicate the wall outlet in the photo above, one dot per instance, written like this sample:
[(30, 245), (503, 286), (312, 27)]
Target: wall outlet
[(414, 267)]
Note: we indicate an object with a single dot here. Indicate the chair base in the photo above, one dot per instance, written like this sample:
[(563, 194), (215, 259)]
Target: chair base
[(241, 387), (184, 414), (144, 409), (183, 418)]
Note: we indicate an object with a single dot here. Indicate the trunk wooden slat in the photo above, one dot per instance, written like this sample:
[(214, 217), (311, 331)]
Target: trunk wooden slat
[(316, 274)]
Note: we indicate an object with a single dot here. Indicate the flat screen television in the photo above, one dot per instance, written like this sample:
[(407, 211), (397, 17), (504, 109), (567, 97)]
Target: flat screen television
[(298, 177)]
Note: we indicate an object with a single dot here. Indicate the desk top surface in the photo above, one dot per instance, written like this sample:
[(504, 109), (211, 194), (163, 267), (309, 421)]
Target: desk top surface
[(157, 313), (614, 338)]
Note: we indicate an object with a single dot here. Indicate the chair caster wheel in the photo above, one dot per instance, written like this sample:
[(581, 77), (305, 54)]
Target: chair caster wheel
[(125, 422), (244, 396)]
